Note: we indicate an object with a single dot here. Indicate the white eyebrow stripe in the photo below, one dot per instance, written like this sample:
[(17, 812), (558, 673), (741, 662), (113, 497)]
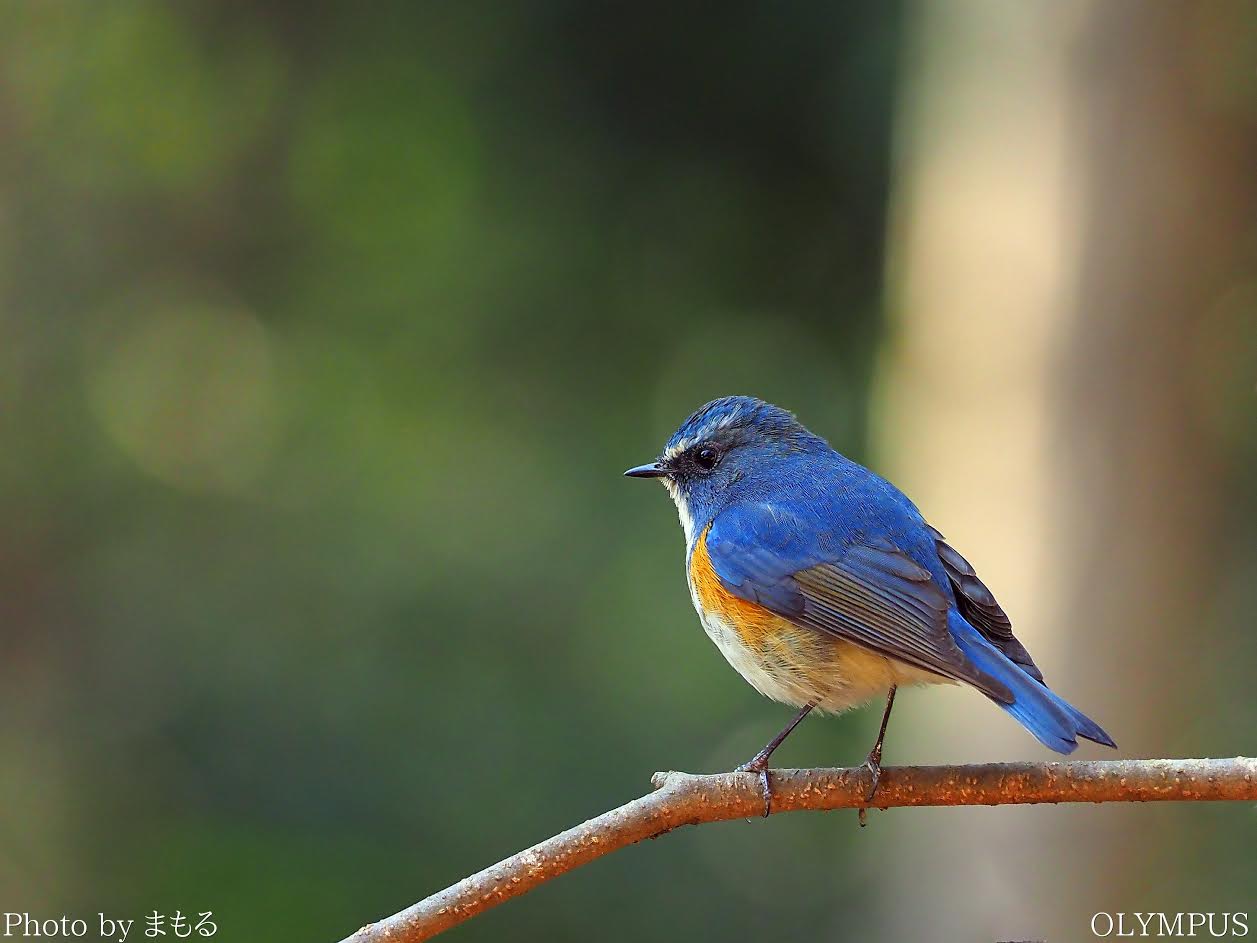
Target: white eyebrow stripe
[(705, 431), (677, 449)]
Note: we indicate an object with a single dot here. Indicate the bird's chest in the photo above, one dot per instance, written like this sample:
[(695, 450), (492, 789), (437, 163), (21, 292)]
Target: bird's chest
[(746, 648), (789, 663), (776, 657)]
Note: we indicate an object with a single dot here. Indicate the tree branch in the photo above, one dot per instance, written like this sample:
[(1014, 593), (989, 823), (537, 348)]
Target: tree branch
[(684, 799)]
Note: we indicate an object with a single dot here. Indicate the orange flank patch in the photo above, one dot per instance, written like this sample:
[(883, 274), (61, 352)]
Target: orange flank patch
[(755, 625)]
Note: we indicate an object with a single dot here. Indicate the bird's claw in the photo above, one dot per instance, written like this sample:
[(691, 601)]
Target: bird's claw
[(760, 766), (873, 763), (874, 766)]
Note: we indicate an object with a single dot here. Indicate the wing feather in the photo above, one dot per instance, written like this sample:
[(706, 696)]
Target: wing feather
[(870, 593), (977, 604), (880, 600)]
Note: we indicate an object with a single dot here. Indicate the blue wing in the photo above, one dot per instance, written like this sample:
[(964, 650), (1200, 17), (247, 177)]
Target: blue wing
[(836, 570)]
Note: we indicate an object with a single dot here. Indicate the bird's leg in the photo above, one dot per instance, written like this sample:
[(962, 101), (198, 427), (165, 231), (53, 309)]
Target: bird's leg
[(759, 762), (874, 759)]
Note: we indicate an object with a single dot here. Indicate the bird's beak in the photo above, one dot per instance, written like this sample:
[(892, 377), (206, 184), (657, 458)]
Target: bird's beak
[(652, 470)]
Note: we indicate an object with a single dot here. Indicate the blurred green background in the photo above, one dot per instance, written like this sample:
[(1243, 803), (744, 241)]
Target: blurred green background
[(326, 332)]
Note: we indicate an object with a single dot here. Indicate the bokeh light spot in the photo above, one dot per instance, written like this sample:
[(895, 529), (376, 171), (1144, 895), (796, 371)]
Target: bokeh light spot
[(187, 391)]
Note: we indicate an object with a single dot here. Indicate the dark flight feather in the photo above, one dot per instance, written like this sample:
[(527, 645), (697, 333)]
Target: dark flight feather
[(978, 606)]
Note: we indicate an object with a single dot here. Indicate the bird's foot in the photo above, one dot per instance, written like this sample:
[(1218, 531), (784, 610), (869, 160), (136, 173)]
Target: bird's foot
[(759, 764), (873, 763)]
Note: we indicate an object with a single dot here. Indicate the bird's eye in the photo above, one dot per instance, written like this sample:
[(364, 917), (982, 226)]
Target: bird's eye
[(706, 458)]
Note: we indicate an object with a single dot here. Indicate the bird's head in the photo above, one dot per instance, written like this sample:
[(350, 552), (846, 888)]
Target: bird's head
[(727, 441)]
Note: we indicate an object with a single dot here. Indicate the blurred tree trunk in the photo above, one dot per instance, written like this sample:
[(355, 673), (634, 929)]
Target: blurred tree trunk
[(1073, 227), (1152, 396)]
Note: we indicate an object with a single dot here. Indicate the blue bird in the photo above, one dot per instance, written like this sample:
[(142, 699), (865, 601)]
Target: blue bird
[(824, 587)]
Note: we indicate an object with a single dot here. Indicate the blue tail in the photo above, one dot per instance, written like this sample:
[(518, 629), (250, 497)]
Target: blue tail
[(1056, 723)]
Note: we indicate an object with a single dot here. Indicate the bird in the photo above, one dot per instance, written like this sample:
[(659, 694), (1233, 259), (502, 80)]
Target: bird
[(825, 588)]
